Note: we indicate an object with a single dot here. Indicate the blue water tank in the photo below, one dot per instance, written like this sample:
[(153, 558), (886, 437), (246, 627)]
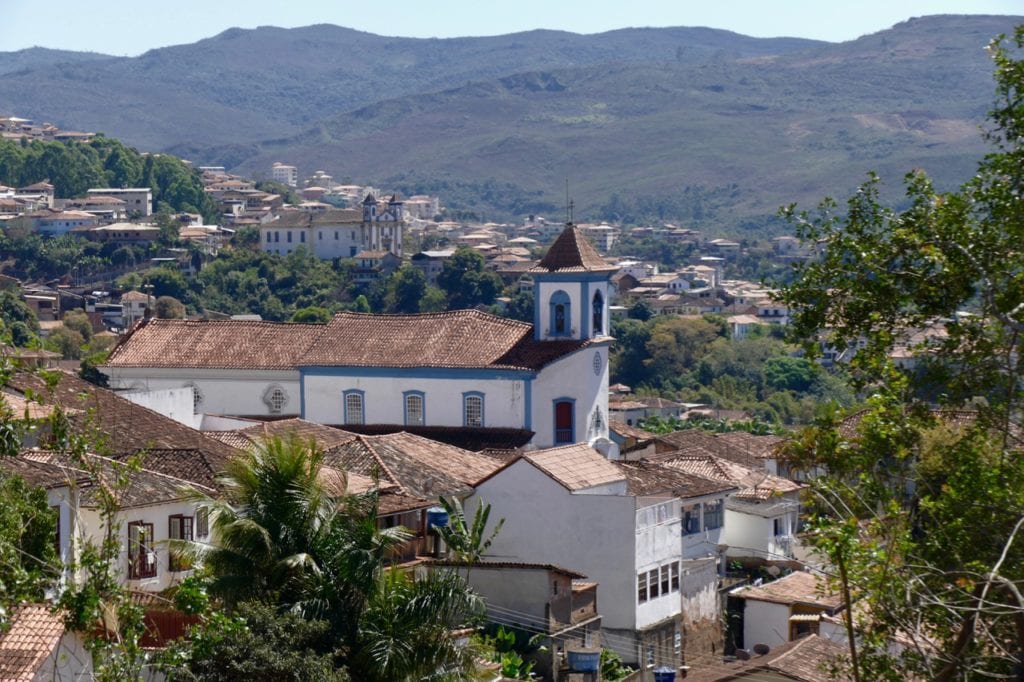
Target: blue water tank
[(664, 674), (584, 661), (437, 517)]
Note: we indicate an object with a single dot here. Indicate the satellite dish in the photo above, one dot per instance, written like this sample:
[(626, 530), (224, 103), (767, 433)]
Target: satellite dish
[(773, 571), (761, 649), (742, 655)]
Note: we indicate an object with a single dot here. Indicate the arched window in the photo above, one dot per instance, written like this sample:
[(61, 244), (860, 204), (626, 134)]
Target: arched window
[(598, 318), (414, 412), (561, 314), (353, 402)]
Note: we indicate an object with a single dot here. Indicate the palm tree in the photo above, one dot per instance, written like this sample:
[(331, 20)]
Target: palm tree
[(282, 534)]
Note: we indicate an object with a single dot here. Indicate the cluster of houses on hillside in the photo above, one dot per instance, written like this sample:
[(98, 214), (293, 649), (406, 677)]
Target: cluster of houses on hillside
[(613, 538)]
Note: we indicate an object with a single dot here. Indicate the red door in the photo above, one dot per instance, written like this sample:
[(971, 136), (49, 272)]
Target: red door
[(563, 422)]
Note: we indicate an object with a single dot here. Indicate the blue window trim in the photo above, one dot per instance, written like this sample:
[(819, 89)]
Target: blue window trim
[(405, 406), (344, 404), (483, 406), (554, 421), (560, 297)]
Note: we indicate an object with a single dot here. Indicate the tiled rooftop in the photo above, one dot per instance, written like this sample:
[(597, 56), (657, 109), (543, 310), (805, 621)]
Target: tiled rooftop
[(573, 252), (33, 635), (799, 587), (754, 484), (575, 467), (214, 344), (417, 466), (803, 660), (650, 478)]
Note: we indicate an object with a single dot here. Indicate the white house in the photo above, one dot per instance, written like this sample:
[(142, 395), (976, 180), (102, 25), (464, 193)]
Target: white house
[(571, 507), (137, 200), (785, 609)]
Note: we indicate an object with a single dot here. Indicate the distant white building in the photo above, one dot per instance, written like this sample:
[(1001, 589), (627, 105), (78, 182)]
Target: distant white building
[(138, 201), (338, 233), (285, 174)]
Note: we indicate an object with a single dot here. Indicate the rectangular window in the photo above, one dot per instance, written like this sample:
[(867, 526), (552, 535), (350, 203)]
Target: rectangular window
[(473, 408), (289, 236), (354, 408), (268, 237), (353, 235), (664, 579), (713, 515), (179, 528), (202, 522), (320, 236), (277, 236), (691, 520), (56, 539), (674, 566), (641, 587), (779, 526), (302, 237), (335, 235), (652, 584), (141, 555), (414, 410)]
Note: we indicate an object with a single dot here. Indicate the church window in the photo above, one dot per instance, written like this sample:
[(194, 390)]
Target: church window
[(289, 236), (335, 235), (354, 407), (561, 314), (268, 237), (277, 236), (473, 409), (320, 236), (598, 319), (275, 399), (414, 412)]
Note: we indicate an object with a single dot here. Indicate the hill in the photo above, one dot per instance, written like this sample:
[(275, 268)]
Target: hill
[(246, 85), (716, 143), (685, 124)]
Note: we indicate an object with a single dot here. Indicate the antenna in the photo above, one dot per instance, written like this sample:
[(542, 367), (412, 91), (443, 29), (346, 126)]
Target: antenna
[(568, 206)]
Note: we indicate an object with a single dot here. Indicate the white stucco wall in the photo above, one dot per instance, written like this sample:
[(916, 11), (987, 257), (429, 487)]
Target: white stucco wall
[(383, 402), (750, 528), (765, 623), (228, 392), (544, 523), (581, 295), (700, 590), (572, 376), (175, 403)]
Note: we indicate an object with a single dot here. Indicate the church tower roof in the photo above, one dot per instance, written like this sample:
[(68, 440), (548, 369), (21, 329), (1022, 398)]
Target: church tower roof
[(369, 200), (572, 252)]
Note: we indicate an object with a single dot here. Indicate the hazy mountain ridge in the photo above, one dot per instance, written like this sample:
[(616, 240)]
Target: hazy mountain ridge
[(639, 113)]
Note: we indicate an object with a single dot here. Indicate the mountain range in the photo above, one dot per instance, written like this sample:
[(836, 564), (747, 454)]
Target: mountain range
[(688, 124)]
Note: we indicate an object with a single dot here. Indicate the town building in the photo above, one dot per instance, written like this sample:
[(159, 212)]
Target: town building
[(465, 369), (138, 201), (338, 233), (285, 174)]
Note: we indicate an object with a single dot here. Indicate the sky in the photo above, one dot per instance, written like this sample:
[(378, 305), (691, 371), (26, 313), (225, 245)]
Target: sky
[(130, 27)]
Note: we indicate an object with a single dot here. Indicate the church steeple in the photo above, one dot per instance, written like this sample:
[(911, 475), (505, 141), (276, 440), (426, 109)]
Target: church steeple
[(571, 289)]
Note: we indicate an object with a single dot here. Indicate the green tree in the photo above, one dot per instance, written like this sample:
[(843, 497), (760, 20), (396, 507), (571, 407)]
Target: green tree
[(78, 321), (168, 308), (406, 288), (312, 315), (468, 541), (28, 560), (676, 344), (466, 281), (919, 512), (793, 374), (67, 342)]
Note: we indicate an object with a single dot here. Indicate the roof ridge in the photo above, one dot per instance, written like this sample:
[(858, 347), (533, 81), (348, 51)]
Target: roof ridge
[(395, 480)]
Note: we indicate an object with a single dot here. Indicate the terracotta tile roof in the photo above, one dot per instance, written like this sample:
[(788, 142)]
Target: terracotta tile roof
[(573, 252), (193, 466), (324, 436), (754, 484), (799, 587), (575, 467), (33, 635), (417, 466), (624, 429), (42, 474), (214, 344), (121, 424), (462, 338), (650, 478), (144, 487), (456, 339), (760, 447), (804, 660), (700, 442)]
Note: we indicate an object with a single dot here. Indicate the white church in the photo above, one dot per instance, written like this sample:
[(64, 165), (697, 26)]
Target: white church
[(463, 369)]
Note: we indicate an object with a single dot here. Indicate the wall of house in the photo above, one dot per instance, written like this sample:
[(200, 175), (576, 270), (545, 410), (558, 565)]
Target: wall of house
[(65, 499), (705, 542), (68, 661), (765, 623), (91, 529), (580, 293), (574, 377), (228, 392), (702, 617), (750, 527), (176, 403), (544, 523), (657, 544), (383, 403)]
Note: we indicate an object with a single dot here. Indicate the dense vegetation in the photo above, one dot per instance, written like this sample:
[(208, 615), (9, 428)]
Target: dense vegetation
[(694, 360), (74, 167)]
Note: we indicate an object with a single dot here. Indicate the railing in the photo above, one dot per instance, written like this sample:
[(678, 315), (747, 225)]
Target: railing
[(142, 565), (563, 436)]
